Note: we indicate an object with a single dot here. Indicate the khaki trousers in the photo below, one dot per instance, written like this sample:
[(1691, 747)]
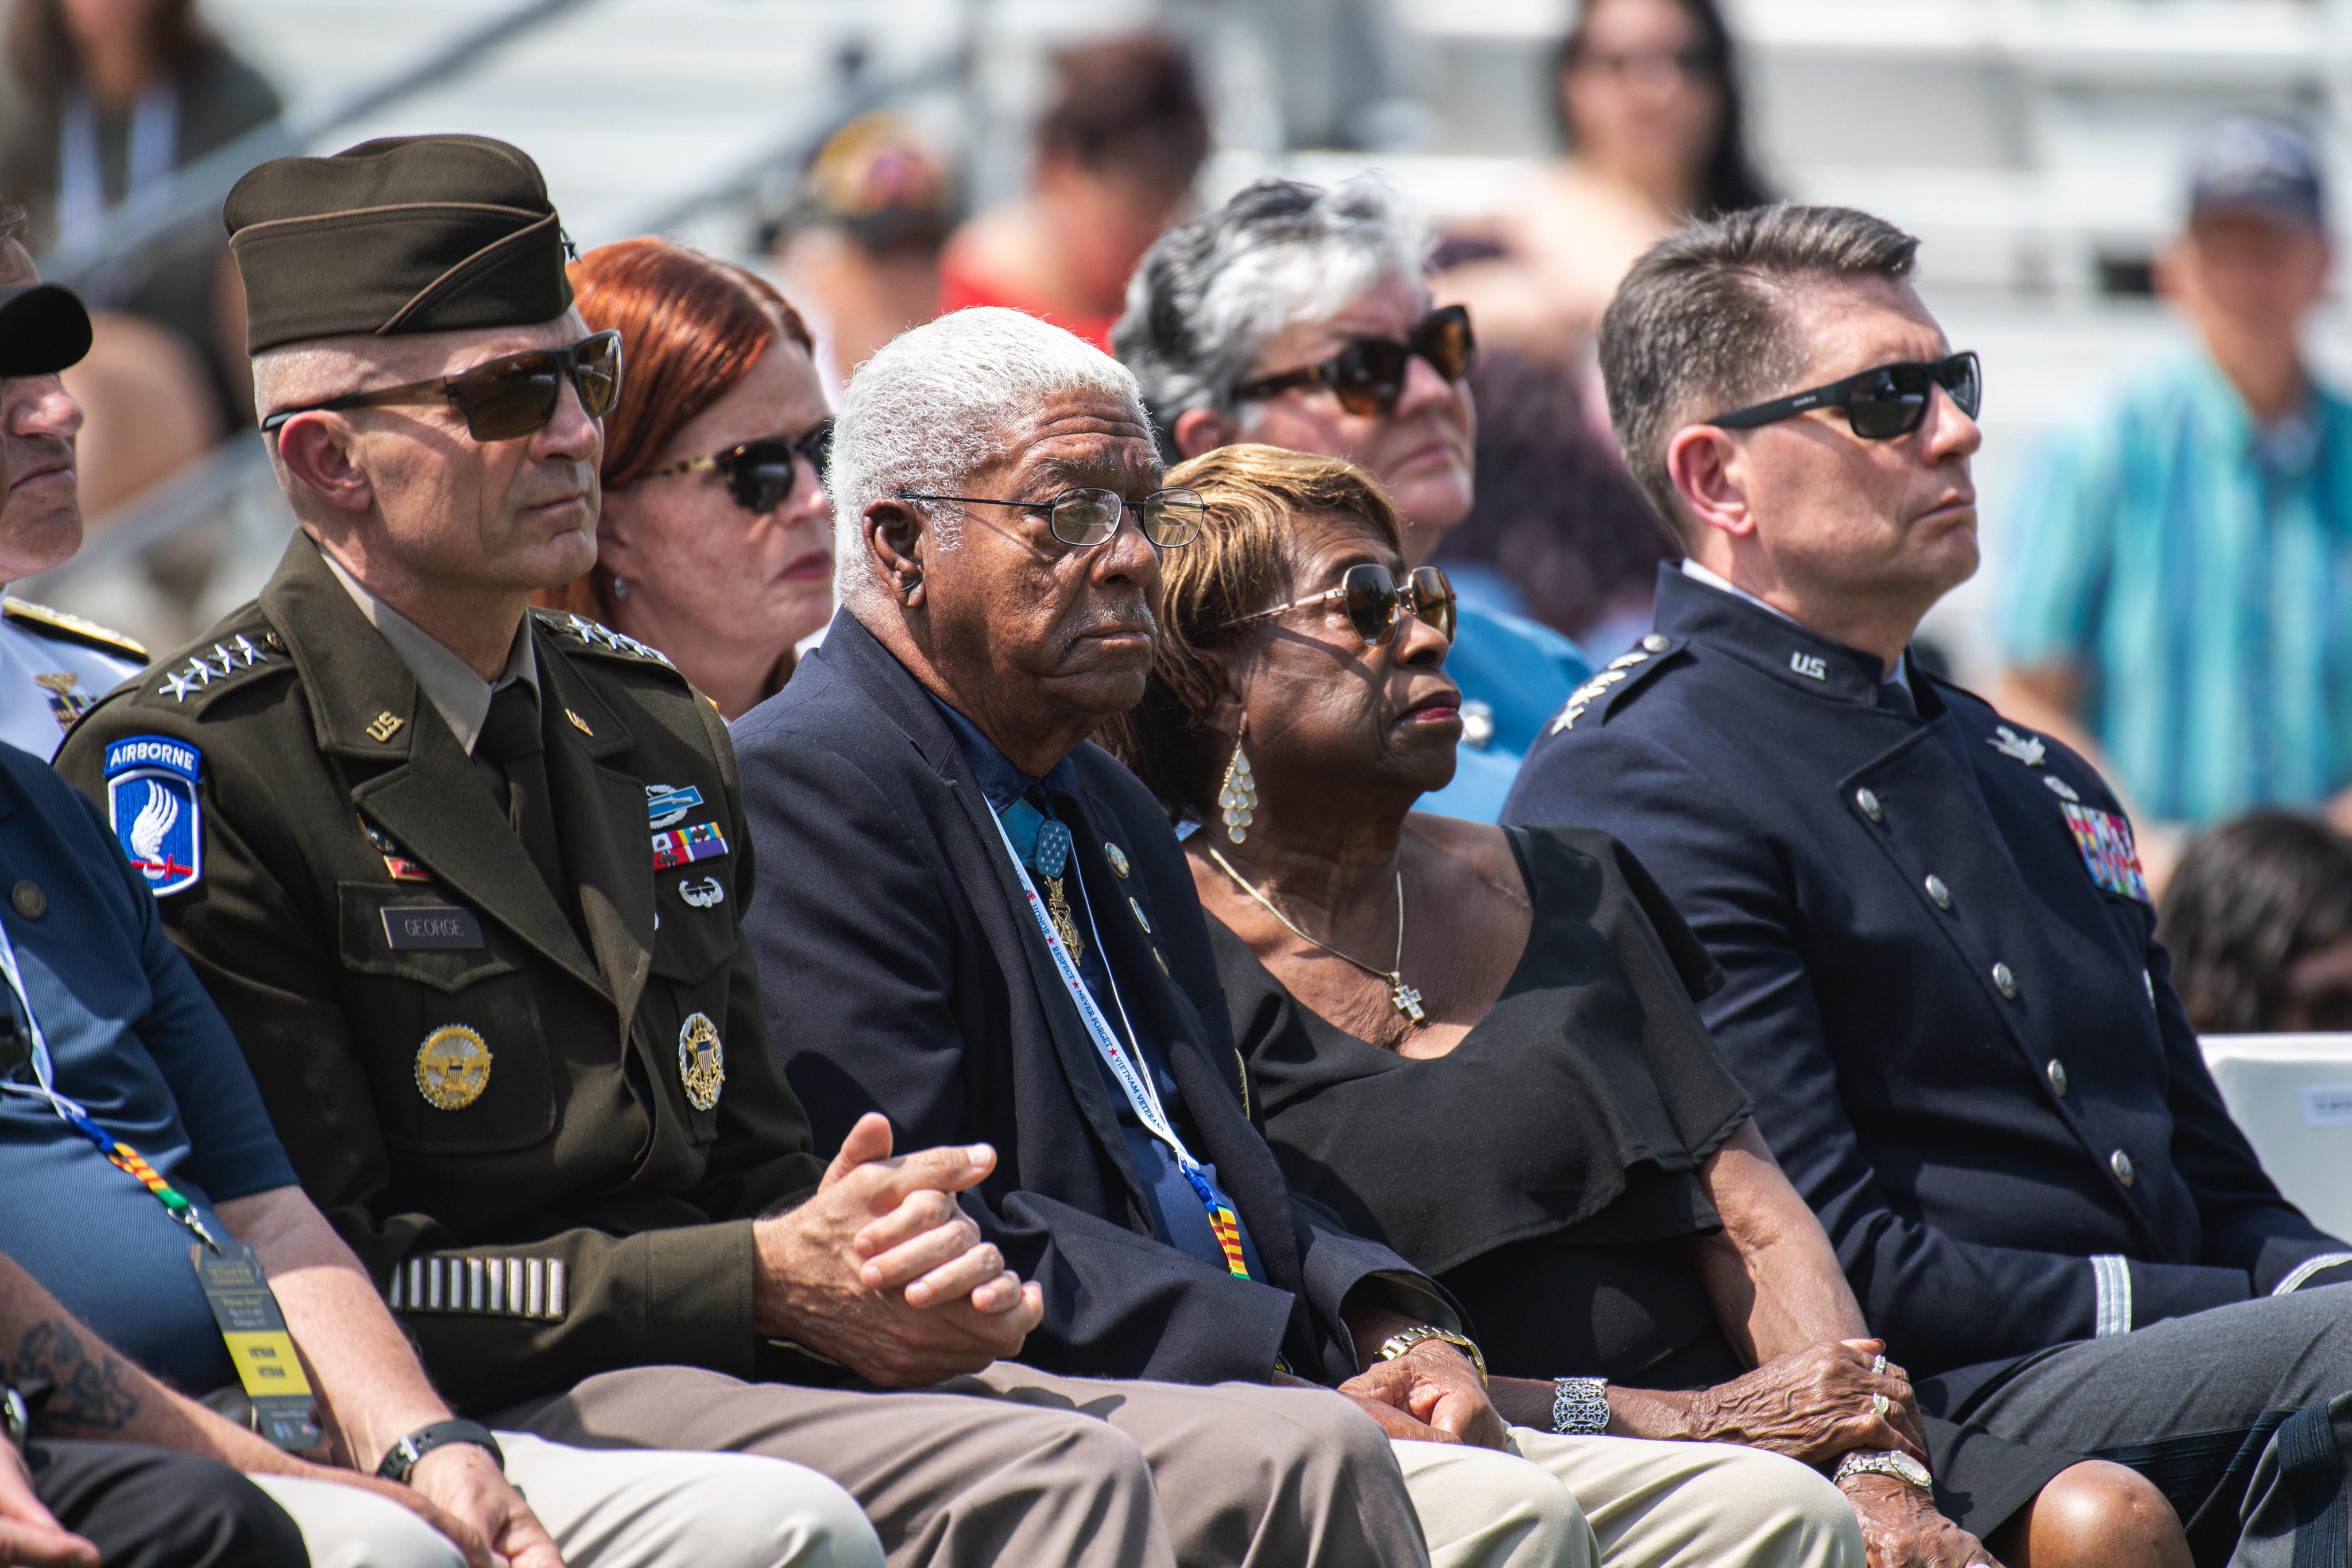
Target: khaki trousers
[(1015, 1466), (614, 1508), (1642, 1505)]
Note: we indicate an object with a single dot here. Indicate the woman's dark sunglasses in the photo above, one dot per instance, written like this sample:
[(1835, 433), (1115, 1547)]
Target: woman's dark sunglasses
[(1367, 375), (1374, 603), (507, 398), (1169, 518), (1881, 403), (760, 474)]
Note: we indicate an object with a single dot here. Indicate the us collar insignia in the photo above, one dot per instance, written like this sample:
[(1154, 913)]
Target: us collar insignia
[(701, 1060), (157, 810), (684, 846), (2026, 748), (453, 1067)]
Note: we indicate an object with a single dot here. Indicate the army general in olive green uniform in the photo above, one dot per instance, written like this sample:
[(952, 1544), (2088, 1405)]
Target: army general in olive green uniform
[(467, 879)]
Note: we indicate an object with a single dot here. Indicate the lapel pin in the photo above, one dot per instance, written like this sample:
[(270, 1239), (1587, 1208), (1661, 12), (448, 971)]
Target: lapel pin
[(2026, 748), (580, 724), (384, 726), (1118, 858)]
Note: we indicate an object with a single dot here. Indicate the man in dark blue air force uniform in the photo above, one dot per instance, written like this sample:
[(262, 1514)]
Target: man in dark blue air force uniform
[(1944, 989)]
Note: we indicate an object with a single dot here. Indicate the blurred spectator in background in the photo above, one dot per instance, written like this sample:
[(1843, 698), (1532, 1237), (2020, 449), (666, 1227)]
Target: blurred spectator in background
[(1116, 152), (1558, 530), (860, 252), (1648, 101), (2179, 606), (1301, 318), (715, 541), (2259, 923), (102, 99)]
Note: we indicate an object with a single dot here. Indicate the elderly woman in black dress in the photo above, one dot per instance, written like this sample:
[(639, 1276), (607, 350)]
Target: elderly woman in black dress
[(1478, 1044)]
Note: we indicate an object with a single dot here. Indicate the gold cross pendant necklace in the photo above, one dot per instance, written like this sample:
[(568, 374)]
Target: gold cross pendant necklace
[(1401, 996)]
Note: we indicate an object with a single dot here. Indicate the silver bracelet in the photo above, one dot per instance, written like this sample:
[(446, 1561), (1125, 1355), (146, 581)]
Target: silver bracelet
[(1580, 1406)]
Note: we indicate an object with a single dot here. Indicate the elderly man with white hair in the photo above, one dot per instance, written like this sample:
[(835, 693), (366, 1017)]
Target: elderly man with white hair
[(1301, 317), (976, 922)]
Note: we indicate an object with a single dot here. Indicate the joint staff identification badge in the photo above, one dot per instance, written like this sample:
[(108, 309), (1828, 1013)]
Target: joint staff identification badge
[(453, 1067), (2105, 840), (152, 799), (701, 1063)]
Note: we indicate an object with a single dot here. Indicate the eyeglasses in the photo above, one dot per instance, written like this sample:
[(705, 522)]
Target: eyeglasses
[(760, 474), (1169, 518), (1880, 403), (1367, 375), (1374, 603), (507, 398)]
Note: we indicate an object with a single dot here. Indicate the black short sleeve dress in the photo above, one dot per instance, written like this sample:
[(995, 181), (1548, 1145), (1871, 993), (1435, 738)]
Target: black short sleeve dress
[(1545, 1169)]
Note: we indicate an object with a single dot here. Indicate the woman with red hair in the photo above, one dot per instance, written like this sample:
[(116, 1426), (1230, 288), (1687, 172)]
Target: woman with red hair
[(716, 541)]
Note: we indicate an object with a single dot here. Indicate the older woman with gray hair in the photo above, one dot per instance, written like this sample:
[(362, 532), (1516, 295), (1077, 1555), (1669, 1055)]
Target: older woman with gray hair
[(1298, 317)]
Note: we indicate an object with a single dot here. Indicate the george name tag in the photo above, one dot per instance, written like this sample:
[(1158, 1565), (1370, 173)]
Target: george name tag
[(431, 926)]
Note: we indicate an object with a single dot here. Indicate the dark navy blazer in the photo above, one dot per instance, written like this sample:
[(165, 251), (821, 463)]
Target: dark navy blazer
[(902, 972), (1978, 1092)]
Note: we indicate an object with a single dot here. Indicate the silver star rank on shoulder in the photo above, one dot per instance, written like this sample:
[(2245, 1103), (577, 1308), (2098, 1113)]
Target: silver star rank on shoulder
[(2026, 748)]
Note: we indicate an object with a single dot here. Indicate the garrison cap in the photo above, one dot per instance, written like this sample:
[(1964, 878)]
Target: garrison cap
[(43, 327), (403, 234)]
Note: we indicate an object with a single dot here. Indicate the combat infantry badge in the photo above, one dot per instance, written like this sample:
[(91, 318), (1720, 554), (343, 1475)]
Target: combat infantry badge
[(701, 1063), (453, 1067)]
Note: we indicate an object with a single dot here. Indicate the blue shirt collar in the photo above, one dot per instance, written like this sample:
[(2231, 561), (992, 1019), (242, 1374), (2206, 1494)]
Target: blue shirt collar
[(1001, 782)]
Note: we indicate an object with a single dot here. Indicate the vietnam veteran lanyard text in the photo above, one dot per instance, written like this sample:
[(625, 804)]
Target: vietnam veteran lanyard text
[(122, 1154), (1141, 1093)]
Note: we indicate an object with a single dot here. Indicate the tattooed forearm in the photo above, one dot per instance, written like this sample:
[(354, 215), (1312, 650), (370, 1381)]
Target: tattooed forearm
[(87, 1393)]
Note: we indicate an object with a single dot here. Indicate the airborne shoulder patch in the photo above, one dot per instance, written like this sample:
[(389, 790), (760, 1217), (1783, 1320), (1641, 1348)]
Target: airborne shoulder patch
[(157, 810)]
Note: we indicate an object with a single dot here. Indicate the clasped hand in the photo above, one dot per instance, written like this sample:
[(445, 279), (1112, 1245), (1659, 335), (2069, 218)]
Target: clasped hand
[(1814, 1405), (884, 1272), (1431, 1393)]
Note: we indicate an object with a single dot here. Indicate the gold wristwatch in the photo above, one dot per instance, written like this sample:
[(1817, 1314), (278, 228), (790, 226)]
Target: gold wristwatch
[(1883, 1462), (1404, 1340)]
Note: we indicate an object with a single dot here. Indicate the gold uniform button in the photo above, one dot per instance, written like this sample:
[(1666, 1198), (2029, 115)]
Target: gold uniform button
[(453, 1067), (1938, 892), (2121, 1164), (2004, 980), (2057, 1070), (1869, 804), (30, 901)]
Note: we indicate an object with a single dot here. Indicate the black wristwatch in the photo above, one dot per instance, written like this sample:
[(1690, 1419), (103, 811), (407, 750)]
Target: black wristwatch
[(401, 1456)]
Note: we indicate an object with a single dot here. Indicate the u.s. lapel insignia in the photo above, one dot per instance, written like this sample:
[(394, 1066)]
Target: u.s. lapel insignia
[(701, 1060), (2026, 748), (453, 1067), (157, 810), (707, 894), (384, 726)]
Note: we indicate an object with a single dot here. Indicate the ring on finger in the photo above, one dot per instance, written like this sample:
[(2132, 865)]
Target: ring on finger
[(1878, 1362), (1879, 1402)]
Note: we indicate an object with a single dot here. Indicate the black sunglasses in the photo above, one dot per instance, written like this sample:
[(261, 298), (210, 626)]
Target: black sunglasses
[(507, 398), (1373, 601), (760, 474), (1169, 518), (1881, 403), (1367, 375)]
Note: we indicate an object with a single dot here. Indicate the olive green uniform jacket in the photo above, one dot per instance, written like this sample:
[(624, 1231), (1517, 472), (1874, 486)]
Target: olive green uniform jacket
[(580, 1213)]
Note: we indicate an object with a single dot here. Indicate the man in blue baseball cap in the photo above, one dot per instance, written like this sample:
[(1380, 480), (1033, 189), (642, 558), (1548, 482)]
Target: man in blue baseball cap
[(2179, 609)]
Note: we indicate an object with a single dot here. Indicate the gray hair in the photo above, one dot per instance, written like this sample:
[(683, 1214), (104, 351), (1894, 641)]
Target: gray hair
[(1702, 324), (936, 403), (1211, 295)]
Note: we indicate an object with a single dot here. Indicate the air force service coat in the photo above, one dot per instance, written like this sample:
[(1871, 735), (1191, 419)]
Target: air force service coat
[(1944, 987), (547, 1146)]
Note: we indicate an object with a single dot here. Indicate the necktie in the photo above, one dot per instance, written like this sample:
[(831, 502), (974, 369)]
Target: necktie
[(510, 737)]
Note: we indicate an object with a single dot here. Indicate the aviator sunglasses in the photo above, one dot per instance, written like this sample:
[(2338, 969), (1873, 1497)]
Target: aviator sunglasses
[(1367, 375), (505, 398), (1169, 518), (1374, 603), (1881, 403), (760, 474)]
